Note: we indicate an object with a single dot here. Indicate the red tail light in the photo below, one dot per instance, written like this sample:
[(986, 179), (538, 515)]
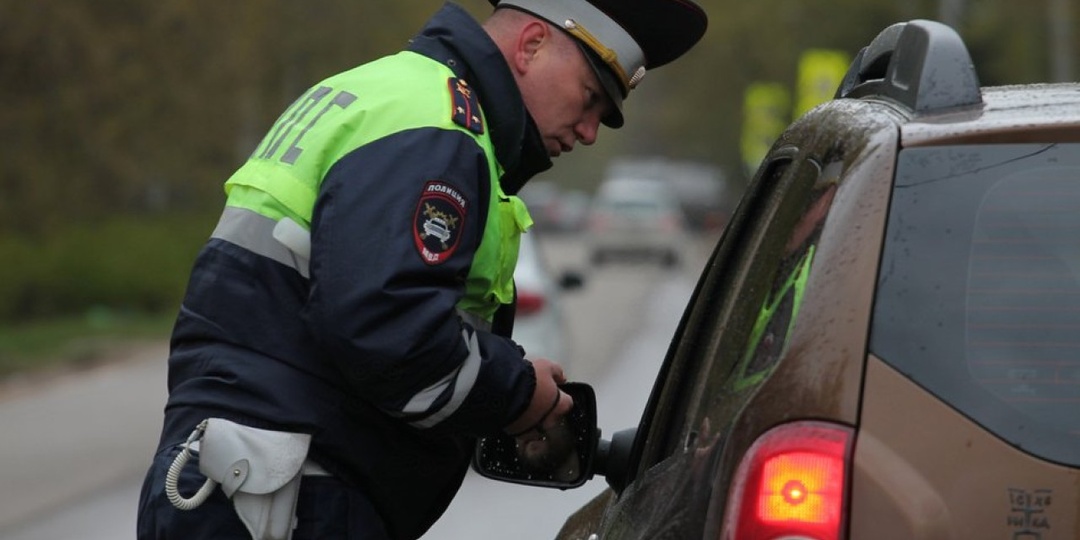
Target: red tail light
[(669, 223), (791, 484), (529, 303), (599, 221)]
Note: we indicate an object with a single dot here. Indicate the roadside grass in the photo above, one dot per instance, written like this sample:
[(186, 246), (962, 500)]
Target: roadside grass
[(76, 342)]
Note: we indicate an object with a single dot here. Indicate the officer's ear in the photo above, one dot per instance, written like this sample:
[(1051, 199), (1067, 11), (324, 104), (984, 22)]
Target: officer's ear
[(532, 39)]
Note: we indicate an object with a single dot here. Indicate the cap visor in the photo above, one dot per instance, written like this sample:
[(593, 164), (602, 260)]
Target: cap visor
[(614, 118)]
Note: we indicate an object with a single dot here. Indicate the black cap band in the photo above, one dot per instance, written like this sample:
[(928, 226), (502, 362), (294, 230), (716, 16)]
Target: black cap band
[(614, 90)]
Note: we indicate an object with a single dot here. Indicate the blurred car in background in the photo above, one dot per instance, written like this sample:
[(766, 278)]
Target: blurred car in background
[(555, 209), (539, 324), (574, 205), (635, 218), (699, 188)]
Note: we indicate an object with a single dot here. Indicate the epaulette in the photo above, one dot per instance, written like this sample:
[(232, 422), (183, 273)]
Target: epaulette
[(464, 107)]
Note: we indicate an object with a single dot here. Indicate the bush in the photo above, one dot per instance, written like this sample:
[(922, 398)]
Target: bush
[(127, 264)]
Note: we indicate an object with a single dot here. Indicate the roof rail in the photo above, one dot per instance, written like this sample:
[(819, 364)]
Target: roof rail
[(923, 65)]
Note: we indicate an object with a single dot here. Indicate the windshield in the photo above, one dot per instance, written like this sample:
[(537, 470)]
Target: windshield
[(979, 293)]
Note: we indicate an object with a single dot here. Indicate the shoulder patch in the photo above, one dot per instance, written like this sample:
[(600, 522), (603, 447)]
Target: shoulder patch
[(438, 222), (465, 108)]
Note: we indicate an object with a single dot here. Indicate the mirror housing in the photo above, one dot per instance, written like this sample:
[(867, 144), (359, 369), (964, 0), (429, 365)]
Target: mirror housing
[(499, 457), (571, 280), (613, 458)]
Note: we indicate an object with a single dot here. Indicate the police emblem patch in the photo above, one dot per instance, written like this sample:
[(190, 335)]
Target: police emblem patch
[(439, 219)]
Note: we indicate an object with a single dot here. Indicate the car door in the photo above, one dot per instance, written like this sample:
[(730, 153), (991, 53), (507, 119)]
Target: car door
[(675, 444), (733, 340)]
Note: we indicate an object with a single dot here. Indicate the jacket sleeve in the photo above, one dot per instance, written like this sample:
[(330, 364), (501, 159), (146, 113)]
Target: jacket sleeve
[(382, 300)]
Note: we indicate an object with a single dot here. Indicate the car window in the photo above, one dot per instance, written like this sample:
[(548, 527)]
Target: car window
[(979, 295), (775, 317), (750, 343), (742, 313)]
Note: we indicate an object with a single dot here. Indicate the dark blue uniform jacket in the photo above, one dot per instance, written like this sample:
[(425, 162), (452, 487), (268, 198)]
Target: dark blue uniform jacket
[(336, 355)]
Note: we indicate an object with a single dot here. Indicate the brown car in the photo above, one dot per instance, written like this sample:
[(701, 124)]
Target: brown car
[(886, 341)]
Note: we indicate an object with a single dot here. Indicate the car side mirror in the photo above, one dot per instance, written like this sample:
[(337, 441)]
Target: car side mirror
[(500, 457), (571, 280)]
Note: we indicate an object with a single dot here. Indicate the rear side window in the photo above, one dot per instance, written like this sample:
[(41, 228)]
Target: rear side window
[(979, 294)]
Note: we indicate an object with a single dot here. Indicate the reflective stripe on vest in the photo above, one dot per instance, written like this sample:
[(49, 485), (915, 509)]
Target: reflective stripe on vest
[(461, 380), (284, 241)]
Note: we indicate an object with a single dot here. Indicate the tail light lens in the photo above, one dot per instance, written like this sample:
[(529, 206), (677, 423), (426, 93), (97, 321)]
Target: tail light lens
[(529, 302), (669, 223), (791, 484), (599, 221)]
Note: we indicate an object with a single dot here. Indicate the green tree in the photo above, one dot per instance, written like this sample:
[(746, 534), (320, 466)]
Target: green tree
[(117, 108)]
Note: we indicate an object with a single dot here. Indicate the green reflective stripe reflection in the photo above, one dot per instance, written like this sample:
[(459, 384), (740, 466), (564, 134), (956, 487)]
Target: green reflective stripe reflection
[(795, 287), (255, 233)]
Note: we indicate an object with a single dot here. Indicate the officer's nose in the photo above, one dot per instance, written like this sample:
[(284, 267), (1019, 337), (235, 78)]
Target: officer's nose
[(588, 128)]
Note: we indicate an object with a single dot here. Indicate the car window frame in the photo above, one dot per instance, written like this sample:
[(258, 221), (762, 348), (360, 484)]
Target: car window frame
[(768, 270), (655, 441), (784, 187)]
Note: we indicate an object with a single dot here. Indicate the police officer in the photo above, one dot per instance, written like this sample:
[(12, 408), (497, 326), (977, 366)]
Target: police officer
[(345, 333)]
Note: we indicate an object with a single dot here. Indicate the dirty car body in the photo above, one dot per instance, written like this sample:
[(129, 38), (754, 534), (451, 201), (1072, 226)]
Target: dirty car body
[(883, 344)]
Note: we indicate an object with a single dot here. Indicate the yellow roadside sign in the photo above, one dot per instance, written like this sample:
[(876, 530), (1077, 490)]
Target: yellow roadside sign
[(766, 109), (820, 73)]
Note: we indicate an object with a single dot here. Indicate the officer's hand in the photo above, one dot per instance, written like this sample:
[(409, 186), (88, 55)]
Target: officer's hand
[(548, 404)]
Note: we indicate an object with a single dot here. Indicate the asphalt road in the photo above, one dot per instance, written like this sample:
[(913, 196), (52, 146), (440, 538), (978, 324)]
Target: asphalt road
[(75, 439), (74, 447)]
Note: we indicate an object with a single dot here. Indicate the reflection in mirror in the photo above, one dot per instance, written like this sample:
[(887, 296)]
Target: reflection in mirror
[(558, 457)]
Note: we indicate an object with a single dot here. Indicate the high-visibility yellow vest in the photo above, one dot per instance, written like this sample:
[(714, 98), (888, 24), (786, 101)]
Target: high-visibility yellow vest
[(281, 179)]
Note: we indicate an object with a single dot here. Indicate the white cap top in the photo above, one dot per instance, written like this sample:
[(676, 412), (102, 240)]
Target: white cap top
[(611, 43)]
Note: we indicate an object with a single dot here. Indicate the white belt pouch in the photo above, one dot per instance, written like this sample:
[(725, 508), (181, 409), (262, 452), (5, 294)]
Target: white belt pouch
[(260, 470)]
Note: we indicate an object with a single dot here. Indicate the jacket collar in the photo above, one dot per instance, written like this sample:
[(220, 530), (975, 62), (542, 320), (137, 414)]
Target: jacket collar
[(454, 38)]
